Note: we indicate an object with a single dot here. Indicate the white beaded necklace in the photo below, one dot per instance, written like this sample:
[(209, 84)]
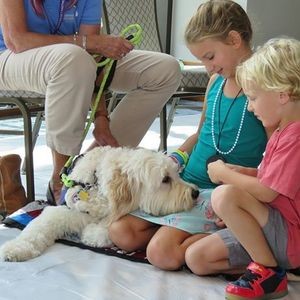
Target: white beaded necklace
[(213, 121)]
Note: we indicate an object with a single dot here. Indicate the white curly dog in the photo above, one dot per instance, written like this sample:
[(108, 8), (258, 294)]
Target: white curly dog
[(109, 183)]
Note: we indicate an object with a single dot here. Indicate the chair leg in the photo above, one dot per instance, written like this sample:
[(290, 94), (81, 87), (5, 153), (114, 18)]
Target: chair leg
[(37, 127), (171, 113), (35, 134), (112, 103), (163, 129), (28, 148)]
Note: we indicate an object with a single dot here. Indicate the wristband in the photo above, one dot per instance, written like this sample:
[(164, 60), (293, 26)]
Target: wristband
[(184, 156), (180, 157)]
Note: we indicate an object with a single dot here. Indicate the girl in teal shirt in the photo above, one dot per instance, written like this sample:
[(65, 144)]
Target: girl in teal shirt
[(239, 138), (219, 35), (229, 116)]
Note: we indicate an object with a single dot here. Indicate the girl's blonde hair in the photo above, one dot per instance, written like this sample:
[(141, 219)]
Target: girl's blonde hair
[(215, 19), (273, 67)]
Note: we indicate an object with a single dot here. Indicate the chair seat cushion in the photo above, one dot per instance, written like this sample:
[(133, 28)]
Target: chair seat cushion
[(21, 94), (194, 77)]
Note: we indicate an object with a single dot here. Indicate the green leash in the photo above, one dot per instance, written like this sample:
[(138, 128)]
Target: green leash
[(133, 33)]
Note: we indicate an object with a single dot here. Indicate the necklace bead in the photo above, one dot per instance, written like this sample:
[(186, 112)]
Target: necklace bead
[(213, 122)]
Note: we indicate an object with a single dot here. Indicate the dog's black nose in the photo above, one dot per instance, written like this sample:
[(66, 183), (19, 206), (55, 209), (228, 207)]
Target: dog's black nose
[(195, 194)]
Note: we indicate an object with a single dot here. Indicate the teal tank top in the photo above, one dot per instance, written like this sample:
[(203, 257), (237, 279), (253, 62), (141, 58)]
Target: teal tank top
[(250, 145)]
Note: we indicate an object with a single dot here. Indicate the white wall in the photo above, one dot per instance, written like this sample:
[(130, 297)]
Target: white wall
[(182, 12), (270, 18)]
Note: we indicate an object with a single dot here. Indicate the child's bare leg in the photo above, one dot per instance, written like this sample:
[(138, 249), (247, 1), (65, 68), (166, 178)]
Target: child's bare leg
[(131, 233), (245, 216), (166, 249), (209, 256)]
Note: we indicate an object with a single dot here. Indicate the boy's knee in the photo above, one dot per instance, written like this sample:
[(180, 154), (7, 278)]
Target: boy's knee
[(220, 197), (195, 261), (162, 256)]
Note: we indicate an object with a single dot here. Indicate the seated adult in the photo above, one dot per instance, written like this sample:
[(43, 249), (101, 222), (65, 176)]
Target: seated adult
[(45, 47)]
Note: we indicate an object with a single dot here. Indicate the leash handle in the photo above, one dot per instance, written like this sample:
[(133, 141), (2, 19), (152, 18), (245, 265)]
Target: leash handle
[(132, 33)]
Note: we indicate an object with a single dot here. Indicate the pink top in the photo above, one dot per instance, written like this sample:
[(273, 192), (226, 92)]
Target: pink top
[(280, 170)]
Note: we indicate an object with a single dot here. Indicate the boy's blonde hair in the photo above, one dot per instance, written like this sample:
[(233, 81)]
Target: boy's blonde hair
[(275, 67), (215, 19)]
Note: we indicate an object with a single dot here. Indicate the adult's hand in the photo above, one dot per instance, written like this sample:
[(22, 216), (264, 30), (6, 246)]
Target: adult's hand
[(112, 46), (102, 133)]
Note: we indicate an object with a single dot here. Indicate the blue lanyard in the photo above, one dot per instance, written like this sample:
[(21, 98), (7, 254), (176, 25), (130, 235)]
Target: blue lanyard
[(60, 17)]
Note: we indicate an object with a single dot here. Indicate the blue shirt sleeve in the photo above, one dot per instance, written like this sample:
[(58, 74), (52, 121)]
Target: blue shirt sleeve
[(86, 12), (91, 12)]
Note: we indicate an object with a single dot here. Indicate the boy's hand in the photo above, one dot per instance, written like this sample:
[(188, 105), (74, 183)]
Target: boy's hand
[(220, 223), (215, 170)]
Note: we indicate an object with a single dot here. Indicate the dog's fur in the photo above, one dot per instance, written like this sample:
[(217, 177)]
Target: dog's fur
[(123, 180)]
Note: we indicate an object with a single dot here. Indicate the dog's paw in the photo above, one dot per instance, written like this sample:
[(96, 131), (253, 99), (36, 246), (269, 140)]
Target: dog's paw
[(17, 250), (95, 235)]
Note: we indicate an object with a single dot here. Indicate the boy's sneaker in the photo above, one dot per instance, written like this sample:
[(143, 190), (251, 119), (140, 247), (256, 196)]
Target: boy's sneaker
[(258, 283)]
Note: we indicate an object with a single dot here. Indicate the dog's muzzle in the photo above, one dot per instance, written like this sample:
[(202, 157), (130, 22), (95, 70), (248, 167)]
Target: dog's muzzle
[(195, 194)]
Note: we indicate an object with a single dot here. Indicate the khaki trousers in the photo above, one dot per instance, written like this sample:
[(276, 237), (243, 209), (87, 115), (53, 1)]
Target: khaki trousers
[(65, 74)]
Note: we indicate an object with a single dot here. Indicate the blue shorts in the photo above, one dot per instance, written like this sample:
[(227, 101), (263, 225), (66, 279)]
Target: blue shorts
[(200, 219)]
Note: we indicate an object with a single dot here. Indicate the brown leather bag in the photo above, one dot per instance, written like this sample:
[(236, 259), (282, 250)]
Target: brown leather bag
[(12, 193)]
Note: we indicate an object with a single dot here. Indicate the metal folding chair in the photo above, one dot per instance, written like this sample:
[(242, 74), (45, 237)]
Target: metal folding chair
[(15, 104)]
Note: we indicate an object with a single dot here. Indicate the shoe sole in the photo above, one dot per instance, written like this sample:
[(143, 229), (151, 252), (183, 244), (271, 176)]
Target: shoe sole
[(265, 297)]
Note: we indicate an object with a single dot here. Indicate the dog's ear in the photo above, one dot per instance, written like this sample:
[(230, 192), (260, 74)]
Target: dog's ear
[(120, 194)]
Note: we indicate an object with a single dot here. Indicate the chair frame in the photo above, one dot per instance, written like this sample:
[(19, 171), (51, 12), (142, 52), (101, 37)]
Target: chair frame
[(27, 108)]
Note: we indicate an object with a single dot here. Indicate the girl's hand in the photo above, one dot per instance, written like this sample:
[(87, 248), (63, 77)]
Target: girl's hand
[(102, 132)]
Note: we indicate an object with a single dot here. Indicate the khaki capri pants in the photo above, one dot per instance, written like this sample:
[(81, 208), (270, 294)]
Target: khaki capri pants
[(65, 74)]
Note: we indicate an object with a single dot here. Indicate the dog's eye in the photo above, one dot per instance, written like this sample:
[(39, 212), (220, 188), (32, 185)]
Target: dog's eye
[(166, 179)]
